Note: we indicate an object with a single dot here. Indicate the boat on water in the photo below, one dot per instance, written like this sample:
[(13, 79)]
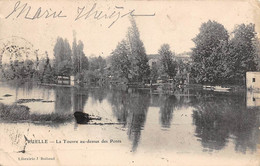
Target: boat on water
[(216, 88), (221, 89), (208, 87)]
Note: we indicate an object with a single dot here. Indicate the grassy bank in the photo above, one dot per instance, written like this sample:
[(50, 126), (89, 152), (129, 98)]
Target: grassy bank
[(15, 113)]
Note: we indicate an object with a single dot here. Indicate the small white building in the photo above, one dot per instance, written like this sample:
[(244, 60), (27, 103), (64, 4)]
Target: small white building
[(253, 81)]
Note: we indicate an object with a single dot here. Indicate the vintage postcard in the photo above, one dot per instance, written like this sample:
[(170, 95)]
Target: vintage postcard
[(130, 82)]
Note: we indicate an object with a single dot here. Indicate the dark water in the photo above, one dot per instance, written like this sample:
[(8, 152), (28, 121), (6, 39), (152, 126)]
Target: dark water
[(191, 121)]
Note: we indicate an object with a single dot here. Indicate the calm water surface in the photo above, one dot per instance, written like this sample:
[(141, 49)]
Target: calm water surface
[(203, 123)]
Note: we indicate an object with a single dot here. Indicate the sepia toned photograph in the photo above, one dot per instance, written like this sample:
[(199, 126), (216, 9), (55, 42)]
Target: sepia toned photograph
[(107, 83)]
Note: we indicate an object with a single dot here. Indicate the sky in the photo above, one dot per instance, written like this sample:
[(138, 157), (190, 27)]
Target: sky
[(174, 22)]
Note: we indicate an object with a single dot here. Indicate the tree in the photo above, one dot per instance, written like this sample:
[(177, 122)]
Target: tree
[(120, 61), (62, 54), (75, 58), (95, 74), (218, 59), (20, 65), (84, 64), (139, 60), (29, 68), (209, 39), (47, 75), (243, 51), (79, 60), (97, 63), (257, 48), (220, 70), (167, 62), (154, 73)]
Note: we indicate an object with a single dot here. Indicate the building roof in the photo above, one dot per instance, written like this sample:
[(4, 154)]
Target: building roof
[(253, 72), (184, 55)]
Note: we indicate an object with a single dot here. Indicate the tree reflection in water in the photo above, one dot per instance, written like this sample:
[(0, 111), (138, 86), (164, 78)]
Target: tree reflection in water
[(131, 109), (70, 99), (98, 94), (80, 97), (166, 110), (63, 100), (220, 117)]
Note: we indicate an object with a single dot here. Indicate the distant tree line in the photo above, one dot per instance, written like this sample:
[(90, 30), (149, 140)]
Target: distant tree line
[(217, 58), (73, 61), (67, 61)]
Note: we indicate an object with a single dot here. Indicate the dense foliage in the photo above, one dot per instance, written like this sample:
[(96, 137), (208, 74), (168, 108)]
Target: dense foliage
[(221, 59), (129, 60), (218, 57), (169, 66)]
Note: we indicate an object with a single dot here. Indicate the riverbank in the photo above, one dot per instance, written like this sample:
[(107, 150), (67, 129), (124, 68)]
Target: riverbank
[(123, 86), (21, 113), (162, 88)]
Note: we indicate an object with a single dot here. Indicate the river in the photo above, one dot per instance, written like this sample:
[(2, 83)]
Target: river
[(193, 127)]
